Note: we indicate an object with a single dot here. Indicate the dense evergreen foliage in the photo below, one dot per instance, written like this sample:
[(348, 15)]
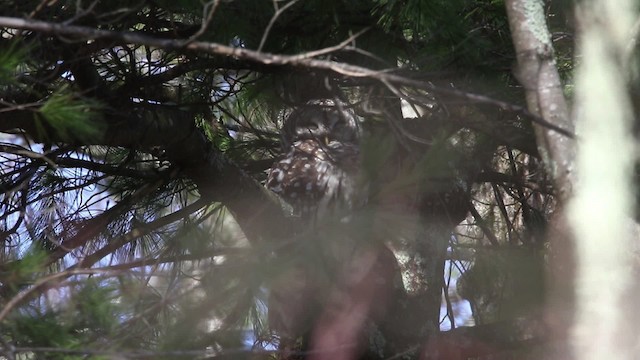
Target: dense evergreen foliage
[(136, 137)]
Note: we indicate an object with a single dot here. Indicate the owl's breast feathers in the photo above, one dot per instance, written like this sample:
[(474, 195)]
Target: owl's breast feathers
[(315, 177)]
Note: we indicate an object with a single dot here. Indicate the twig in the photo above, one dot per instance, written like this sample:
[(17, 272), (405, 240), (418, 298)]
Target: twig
[(273, 20), (142, 230), (397, 126), (16, 300), (142, 354), (18, 150), (480, 222), (330, 49), (175, 258), (207, 14), (503, 210), (445, 290)]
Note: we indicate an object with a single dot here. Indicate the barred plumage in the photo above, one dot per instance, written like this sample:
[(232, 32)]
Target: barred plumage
[(320, 172)]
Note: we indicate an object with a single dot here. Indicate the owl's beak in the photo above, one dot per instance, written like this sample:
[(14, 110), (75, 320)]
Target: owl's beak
[(326, 139)]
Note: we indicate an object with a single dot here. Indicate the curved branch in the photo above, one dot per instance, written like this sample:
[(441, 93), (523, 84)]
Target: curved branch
[(304, 60), (142, 230), (217, 177)]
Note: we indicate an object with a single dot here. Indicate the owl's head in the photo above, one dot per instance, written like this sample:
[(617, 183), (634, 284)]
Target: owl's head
[(324, 120)]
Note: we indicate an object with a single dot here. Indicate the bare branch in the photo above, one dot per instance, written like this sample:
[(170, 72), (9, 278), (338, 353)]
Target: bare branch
[(485, 229), (208, 11), (301, 60), (142, 230), (92, 227), (273, 20)]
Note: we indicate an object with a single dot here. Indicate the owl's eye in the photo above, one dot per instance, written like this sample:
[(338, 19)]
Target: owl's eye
[(322, 120), (310, 131)]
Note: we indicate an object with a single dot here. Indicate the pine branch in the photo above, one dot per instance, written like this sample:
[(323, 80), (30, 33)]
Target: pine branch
[(304, 60)]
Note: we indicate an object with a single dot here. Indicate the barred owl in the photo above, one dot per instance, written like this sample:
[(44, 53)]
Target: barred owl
[(319, 178), (319, 173)]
